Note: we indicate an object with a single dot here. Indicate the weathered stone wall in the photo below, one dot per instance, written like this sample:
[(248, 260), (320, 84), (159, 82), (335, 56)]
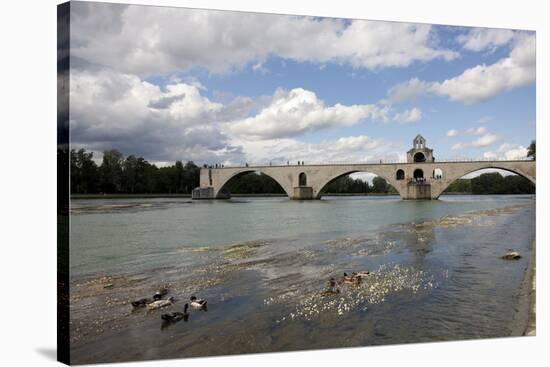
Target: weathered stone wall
[(318, 176), (418, 192)]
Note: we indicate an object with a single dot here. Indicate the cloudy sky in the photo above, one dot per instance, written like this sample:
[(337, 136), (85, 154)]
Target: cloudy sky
[(228, 87)]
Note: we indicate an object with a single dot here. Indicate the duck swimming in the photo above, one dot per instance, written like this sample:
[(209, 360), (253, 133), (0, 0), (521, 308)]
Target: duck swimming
[(160, 293), (511, 255), (160, 303), (198, 303), (156, 297), (176, 316), (330, 288), (354, 278), (141, 302)]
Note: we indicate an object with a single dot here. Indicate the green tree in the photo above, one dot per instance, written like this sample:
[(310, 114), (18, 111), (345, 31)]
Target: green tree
[(460, 185), (129, 174), (111, 171), (379, 185), (144, 176), (254, 183), (493, 183), (179, 172), (532, 150), (84, 172), (190, 177)]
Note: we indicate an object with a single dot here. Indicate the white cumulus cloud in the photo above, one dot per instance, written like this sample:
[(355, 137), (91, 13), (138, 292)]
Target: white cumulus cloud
[(359, 148), (481, 82), (297, 111), (485, 140), (477, 130), (112, 110), (482, 141), (452, 133), (148, 40), (408, 90), (459, 146), (407, 116), (478, 39), (507, 151)]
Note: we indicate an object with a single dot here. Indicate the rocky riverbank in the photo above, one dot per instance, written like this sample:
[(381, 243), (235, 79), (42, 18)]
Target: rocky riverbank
[(525, 320)]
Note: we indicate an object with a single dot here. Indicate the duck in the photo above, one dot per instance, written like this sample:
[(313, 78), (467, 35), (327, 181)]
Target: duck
[(330, 292), (176, 316), (160, 293), (331, 283), (354, 278), (160, 303), (330, 288), (198, 303), (512, 255), (141, 302)]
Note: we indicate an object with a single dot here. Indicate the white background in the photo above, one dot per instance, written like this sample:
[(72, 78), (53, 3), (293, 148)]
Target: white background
[(28, 182)]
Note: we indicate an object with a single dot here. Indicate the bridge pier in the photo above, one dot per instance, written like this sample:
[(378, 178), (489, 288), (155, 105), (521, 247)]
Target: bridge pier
[(203, 193), (303, 193), (418, 191)]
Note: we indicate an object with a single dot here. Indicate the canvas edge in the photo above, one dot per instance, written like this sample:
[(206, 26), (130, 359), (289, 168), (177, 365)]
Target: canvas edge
[(63, 184)]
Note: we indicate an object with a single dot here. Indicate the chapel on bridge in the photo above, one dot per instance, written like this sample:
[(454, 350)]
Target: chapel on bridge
[(419, 152)]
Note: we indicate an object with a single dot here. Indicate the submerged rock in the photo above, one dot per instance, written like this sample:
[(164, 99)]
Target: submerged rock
[(511, 255)]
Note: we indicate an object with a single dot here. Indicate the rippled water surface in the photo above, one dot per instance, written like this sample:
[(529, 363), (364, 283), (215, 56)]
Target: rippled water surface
[(262, 264)]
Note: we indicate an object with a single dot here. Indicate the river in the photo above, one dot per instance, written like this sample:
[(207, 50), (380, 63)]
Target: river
[(262, 264)]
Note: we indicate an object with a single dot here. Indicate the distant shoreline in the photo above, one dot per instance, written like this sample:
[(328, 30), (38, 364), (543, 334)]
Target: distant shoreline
[(128, 196), (188, 196)]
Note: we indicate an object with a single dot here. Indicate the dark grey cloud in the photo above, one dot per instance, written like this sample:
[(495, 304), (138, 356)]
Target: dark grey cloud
[(110, 110)]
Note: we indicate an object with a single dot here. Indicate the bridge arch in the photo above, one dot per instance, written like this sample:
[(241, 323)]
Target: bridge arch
[(390, 180), (223, 191), (447, 181)]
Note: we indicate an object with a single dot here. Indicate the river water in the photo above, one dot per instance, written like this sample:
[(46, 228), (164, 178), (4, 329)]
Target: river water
[(263, 263)]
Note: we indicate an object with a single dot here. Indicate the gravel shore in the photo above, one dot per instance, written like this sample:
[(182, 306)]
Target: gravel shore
[(525, 320)]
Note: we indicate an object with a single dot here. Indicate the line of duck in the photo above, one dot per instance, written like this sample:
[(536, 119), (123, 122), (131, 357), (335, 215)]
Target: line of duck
[(158, 301), (355, 279)]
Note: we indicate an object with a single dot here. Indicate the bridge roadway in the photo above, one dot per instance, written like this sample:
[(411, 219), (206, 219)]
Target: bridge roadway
[(303, 182)]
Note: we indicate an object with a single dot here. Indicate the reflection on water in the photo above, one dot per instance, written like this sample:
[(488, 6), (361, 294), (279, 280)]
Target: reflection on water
[(263, 265)]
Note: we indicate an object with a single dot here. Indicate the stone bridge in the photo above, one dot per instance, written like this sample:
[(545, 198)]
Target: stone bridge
[(421, 177), (415, 180)]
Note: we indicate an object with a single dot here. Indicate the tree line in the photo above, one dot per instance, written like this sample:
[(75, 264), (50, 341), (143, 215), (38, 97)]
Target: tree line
[(486, 183), (259, 183), (492, 183), (129, 175), (349, 185)]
